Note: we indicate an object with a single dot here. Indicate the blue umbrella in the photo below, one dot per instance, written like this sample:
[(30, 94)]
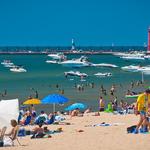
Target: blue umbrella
[(75, 106), (54, 99)]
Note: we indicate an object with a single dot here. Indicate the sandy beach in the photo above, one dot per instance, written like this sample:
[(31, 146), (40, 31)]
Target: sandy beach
[(114, 137)]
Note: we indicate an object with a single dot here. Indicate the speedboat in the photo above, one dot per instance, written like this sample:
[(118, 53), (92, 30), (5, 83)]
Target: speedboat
[(143, 69), (75, 73), (18, 69), (147, 57), (7, 62), (133, 58), (131, 68), (107, 74), (57, 56), (80, 62), (51, 61), (104, 65), (9, 65)]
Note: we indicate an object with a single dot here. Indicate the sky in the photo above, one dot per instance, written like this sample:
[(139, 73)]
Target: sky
[(88, 22)]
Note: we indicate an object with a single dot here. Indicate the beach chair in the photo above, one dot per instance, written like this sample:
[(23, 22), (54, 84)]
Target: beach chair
[(51, 120), (10, 141), (16, 138), (2, 133)]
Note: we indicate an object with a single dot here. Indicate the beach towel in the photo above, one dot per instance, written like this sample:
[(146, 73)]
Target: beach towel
[(103, 124)]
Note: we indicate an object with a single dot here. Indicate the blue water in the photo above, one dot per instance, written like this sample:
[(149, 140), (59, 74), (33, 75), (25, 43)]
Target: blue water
[(43, 77)]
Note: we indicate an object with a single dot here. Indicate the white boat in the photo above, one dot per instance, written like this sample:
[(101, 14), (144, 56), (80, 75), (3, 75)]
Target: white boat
[(131, 68), (143, 69), (80, 62), (131, 53), (147, 56), (9, 65), (51, 61), (18, 69), (136, 58), (106, 74), (57, 56), (75, 73), (104, 65), (7, 62)]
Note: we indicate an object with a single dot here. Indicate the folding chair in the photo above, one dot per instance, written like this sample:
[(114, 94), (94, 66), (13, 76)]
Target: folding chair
[(3, 132), (16, 137)]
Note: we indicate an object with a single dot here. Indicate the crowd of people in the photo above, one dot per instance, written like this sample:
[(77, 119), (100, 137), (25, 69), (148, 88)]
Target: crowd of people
[(29, 116)]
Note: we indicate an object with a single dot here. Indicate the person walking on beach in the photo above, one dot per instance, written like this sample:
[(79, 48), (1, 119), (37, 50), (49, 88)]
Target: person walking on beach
[(141, 107), (101, 104)]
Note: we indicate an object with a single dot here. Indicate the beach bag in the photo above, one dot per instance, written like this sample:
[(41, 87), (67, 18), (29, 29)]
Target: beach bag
[(131, 129), (1, 143)]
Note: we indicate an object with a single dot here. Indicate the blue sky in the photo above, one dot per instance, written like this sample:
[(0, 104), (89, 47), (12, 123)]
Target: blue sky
[(89, 22)]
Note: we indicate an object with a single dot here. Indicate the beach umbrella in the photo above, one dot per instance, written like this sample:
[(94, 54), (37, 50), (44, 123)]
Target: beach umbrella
[(75, 106), (132, 96), (32, 101), (54, 99)]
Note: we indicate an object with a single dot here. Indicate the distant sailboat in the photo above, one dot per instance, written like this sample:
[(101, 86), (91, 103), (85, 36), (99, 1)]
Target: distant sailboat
[(73, 47)]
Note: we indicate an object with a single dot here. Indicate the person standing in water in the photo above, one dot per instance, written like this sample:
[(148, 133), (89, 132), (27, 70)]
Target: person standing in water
[(101, 104)]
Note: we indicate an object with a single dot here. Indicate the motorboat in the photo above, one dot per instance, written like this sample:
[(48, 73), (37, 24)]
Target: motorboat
[(51, 61), (133, 57), (147, 57), (18, 69), (132, 68), (58, 56), (131, 53), (106, 74), (104, 65), (9, 65), (7, 62), (75, 73), (143, 69), (80, 62)]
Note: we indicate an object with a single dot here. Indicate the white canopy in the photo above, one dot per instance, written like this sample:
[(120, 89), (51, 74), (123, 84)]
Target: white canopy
[(9, 109)]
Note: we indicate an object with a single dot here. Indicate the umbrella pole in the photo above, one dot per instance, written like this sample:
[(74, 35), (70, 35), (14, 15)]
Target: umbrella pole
[(53, 107)]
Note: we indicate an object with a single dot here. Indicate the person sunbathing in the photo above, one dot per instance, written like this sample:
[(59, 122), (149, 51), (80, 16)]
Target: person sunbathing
[(75, 112), (38, 129), (38, 132)]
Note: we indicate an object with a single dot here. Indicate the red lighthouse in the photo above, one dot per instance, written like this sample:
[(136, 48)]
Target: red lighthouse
[(148, 47)]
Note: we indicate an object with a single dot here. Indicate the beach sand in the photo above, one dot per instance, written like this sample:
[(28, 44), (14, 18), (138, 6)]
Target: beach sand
[(112, 137)]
